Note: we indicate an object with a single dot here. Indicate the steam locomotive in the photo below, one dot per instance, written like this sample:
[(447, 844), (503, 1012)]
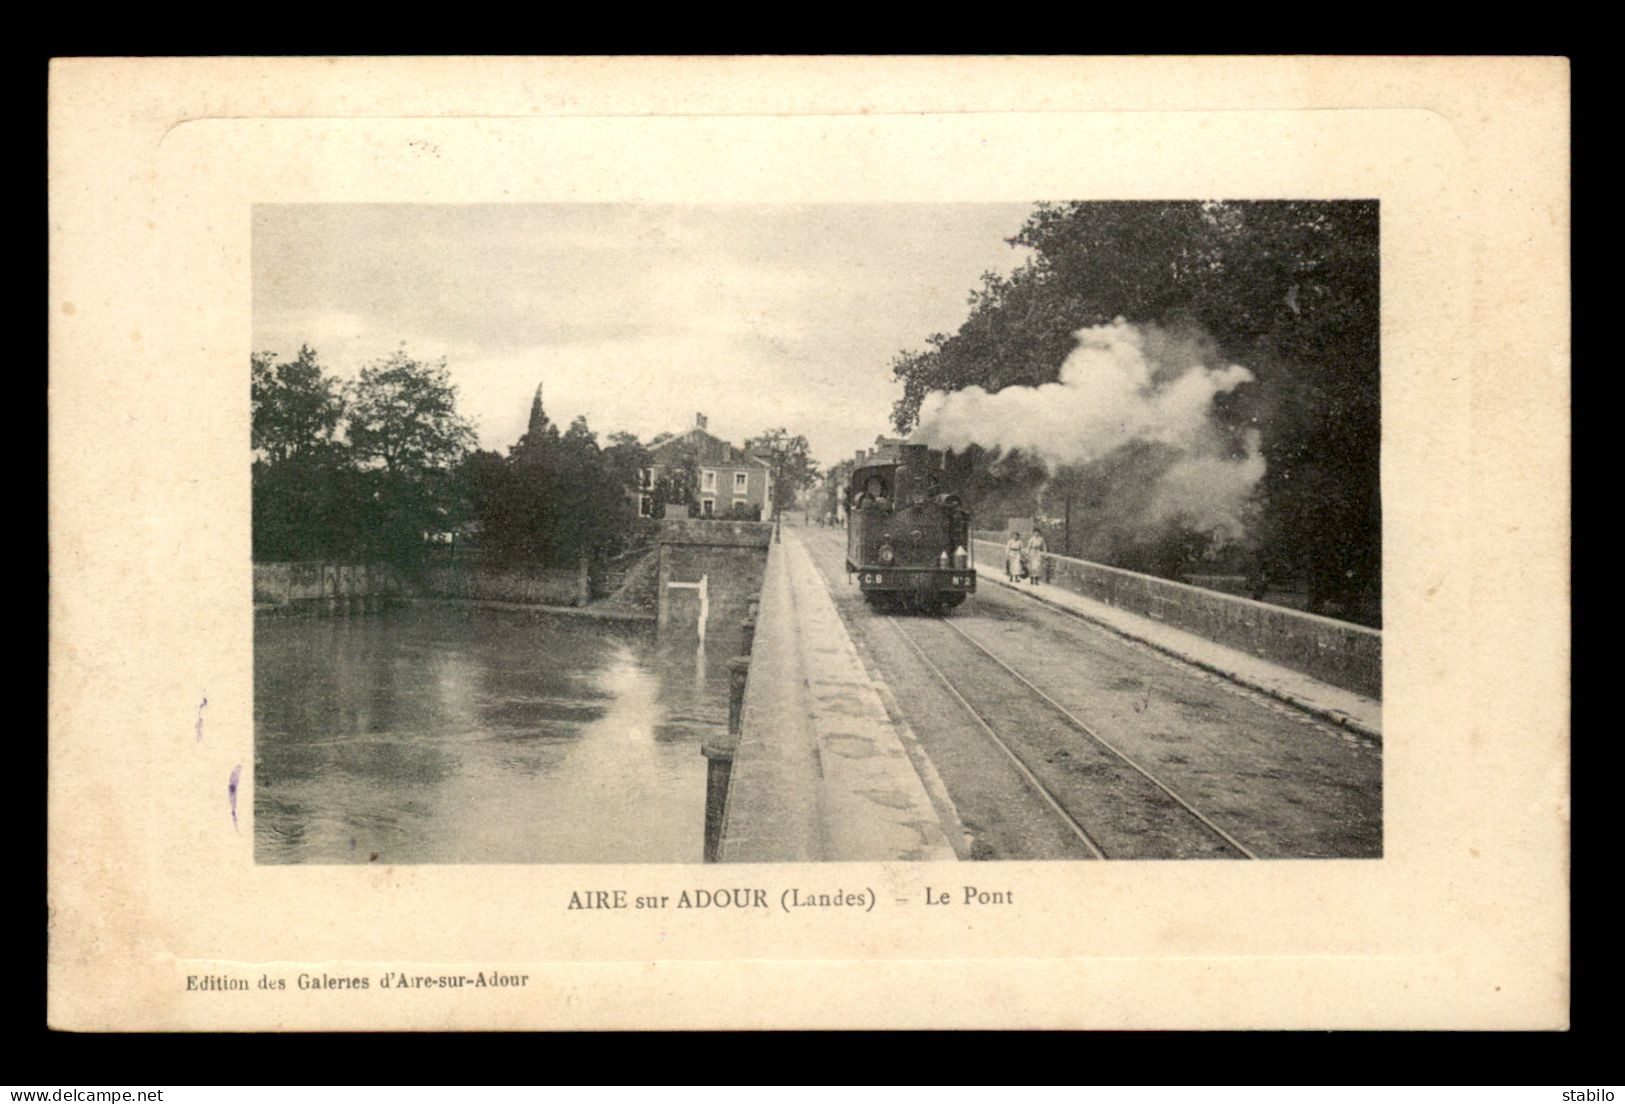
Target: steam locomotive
[(907, 538)]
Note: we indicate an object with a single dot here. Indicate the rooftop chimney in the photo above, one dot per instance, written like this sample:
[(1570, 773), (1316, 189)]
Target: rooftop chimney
[(699, 421)]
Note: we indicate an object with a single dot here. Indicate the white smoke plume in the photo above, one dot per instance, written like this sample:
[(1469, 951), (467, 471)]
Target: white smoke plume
[(1122, 384)]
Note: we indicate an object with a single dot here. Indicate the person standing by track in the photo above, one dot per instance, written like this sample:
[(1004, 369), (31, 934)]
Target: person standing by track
[(1035, 556), (1014, 566)]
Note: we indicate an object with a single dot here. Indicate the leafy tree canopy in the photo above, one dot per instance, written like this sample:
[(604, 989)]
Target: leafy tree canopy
[(403, 416), (1289, 289), (794, 469), (678, 481), (296, 410)]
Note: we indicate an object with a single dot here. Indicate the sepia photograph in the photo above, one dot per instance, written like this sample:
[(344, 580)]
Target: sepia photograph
[(738, 543), (596, 533)]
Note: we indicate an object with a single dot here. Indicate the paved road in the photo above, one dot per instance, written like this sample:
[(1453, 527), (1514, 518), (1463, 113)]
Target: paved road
[(1269, 780)]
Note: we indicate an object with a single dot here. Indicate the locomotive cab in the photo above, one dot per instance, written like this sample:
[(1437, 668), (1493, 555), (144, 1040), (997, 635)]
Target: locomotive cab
[(908, 538)]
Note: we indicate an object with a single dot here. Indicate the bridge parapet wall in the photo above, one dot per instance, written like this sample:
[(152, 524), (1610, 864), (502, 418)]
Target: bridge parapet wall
[(770, 803), (819, 771), (1336, 652)]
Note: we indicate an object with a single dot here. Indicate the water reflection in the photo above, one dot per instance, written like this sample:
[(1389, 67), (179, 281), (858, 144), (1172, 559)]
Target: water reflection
[(445, 735)]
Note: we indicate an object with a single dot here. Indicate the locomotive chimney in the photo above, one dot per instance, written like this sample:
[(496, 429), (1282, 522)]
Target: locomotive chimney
[(913, 461)]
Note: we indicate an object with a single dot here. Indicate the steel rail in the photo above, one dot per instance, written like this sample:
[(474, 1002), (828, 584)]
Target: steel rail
[(1032, 779), (1097, 738)]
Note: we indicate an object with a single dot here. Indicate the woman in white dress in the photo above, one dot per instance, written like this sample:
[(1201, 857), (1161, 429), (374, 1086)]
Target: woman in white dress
[(1035, 557), (1013, 565)]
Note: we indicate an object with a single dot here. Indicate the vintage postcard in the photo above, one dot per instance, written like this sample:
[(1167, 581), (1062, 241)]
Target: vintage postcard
[(790, 542)]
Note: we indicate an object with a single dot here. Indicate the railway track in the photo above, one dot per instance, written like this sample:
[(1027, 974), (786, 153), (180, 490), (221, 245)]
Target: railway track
[(1117, 808)]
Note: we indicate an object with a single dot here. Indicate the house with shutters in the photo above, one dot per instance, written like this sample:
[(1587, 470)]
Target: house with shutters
[(732, 482)]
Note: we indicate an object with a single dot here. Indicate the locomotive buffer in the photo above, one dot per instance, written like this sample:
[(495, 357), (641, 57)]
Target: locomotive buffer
[(908, 539)]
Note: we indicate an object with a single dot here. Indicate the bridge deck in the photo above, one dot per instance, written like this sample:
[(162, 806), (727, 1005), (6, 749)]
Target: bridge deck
[(821, 773), (1033, 723)]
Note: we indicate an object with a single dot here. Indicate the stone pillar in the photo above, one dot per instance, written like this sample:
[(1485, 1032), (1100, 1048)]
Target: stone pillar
[(738, 678), (663, 603), (719, 756), (717, 770)]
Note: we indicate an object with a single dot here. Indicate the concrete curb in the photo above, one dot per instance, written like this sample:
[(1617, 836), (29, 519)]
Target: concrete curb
[(1325, 713)]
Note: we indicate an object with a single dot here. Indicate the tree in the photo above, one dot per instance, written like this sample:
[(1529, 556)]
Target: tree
[(624, 462), (793, 467), (558, 497), (678, 482), (586, 510), (999, 484), (481, 486), (295, 409), (307, 509), (626, 458), (1290, 289), (306, 500), (407, 438), (403, 416)]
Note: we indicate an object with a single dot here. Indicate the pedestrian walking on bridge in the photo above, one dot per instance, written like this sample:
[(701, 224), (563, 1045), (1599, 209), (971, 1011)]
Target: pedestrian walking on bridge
[(1014, 565), (1035, 556)]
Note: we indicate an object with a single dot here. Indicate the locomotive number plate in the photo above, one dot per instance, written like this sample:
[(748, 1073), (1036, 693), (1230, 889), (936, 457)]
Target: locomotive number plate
[(914, 579)]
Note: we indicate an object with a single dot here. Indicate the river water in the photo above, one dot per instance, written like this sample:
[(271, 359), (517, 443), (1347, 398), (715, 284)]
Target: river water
[(443, 734)]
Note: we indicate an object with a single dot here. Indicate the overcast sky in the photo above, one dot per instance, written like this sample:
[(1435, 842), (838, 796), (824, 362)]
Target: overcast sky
[(636, 316)]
